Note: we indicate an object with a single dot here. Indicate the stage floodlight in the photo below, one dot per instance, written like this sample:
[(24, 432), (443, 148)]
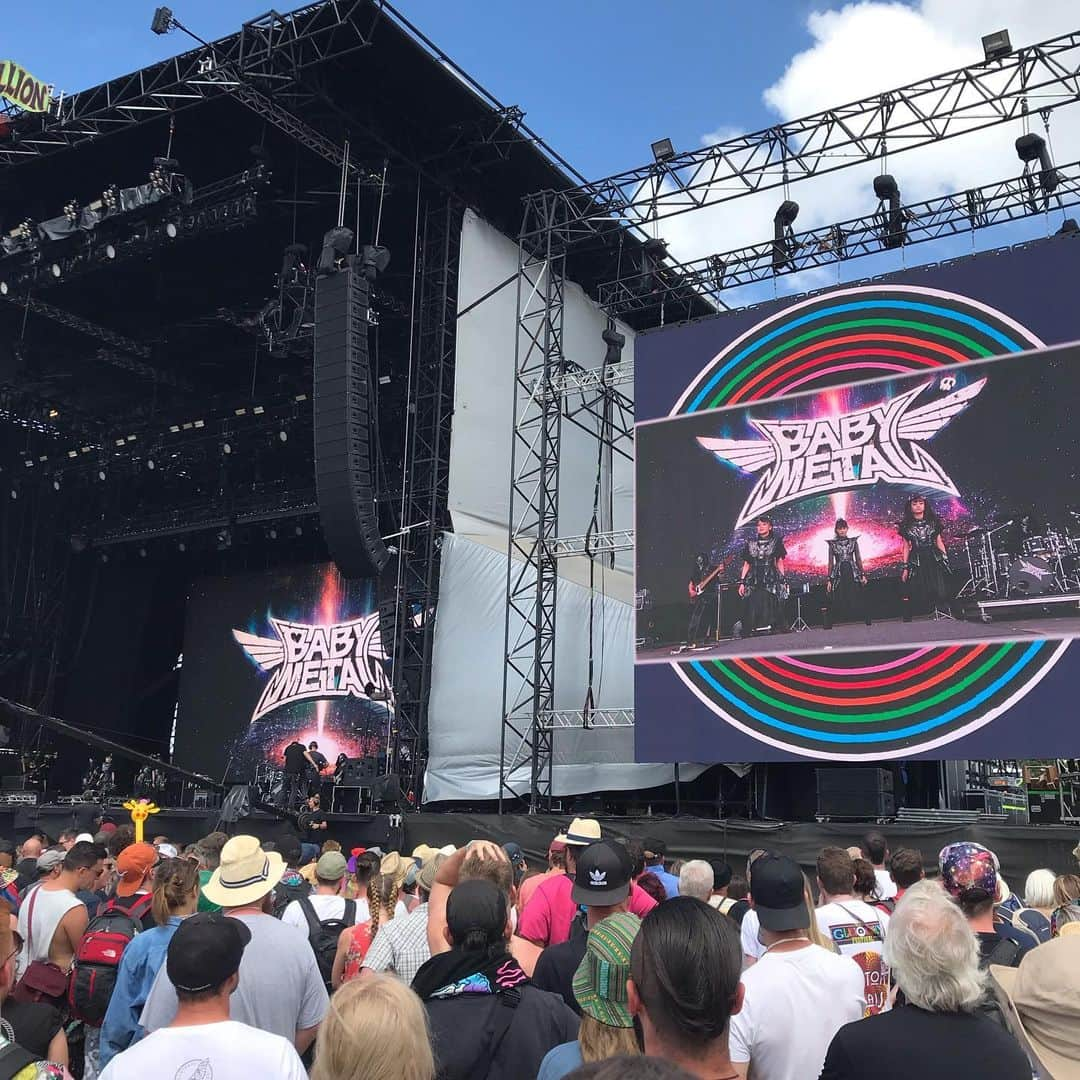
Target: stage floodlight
[(336, 245), (1032, 150), (663, 150), (784, 243), (614, 342), (787, 212), (996, 45), (162, 21), (892, 221)]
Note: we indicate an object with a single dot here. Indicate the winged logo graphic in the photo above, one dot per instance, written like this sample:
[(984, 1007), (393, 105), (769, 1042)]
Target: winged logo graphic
[(877, 444), (310, 662)]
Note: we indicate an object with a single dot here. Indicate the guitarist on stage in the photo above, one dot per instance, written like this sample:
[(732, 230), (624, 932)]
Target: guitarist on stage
[(702, 605)]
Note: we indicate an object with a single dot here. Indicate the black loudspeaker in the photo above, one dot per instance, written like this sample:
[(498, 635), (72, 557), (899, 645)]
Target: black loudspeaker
[(861, 793), (359, 772), (387, 789), (343, 473)]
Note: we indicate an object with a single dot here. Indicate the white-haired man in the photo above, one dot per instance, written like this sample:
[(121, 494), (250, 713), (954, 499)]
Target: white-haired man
[(696, 879), (941, 1033)]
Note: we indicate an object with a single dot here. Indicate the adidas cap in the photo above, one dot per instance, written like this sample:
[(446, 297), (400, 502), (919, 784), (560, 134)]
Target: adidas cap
[(603, 873)]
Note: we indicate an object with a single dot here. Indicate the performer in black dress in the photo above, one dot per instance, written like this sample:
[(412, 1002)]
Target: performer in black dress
[(702, 604), (845, 590), (761, 581), (925, 576)]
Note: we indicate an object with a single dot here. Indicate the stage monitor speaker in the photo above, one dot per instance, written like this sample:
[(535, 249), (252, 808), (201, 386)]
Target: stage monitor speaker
[(359, 772), (860, 793), (343, 471), (387, 789)]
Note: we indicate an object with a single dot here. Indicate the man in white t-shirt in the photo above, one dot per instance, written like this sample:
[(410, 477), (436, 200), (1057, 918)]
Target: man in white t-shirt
[(875, 848), (856, 928), (797, 995), (203, 964), (326, 900), (748, 930)]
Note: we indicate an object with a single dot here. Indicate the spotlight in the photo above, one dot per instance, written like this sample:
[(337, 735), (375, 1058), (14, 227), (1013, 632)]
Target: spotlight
[(283, 435), (614, 342), (1032, 149), (162, 21), (784, 245), (226, 448), (892, 221), (171, 231), (55, 270), (663, 150), (996, 45)]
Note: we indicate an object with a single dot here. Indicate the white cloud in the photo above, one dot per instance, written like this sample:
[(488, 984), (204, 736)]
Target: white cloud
[(860, 49)]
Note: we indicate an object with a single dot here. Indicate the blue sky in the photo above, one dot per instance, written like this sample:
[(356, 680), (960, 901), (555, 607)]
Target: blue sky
[(600, 79)]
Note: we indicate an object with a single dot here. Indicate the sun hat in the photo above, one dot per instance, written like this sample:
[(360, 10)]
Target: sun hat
[(246, 874), (423, 852), (331, 867), (582, 832), (1041, 999), (600, 980), (426, 878), (393, 865)]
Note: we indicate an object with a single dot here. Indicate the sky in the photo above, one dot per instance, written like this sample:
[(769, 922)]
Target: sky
[(600, 80)]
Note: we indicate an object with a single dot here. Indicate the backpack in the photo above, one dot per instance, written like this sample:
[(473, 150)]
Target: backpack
[(13, 1059), (97, 959), (1019, 923), (284, 895), (324, 935)]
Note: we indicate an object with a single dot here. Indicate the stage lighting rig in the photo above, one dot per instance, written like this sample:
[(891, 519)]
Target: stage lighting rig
[(996, 45), (663, 150), (162, 21), (892, 222), (614, 342), (784, 243), (1031, 149)]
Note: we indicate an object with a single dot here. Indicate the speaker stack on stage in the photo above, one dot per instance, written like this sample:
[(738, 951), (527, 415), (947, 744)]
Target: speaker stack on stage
[(343, 407), (862, 794)]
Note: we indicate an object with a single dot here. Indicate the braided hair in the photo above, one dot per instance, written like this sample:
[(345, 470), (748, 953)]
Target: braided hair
[(381, 891)]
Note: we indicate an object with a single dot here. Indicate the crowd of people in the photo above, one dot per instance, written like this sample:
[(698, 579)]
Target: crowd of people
[(233, 957)]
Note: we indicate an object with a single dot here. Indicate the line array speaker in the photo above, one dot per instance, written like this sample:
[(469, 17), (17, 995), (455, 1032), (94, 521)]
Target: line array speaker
[(343, 473)]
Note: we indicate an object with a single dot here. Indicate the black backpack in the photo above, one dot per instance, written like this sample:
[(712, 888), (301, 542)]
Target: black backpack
[(284, 895), (13, 1059), (324, 935)]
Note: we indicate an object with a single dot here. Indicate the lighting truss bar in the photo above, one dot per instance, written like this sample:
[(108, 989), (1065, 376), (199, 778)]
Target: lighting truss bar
[(599, 543), (947, 215), (563, 719), (591, 380), (1033, 79), (273, 51)]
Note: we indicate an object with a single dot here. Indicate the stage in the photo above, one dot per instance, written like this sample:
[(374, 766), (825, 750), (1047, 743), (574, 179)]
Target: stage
[(882, 634), (1020, 848)]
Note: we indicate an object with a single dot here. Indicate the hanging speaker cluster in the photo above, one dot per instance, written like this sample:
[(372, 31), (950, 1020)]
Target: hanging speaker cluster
[(343, 471)]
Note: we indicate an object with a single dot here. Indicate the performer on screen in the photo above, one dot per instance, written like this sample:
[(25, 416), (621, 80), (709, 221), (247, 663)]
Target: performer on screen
[(925, 576), (762, 584), (702, 604), (845, 589)]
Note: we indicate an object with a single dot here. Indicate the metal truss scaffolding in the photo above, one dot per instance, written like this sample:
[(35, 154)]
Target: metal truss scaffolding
[(1036, 79), (427, 485)]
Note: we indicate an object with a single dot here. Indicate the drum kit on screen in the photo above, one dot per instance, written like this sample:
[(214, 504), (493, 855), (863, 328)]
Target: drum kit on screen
[(1013, 562)]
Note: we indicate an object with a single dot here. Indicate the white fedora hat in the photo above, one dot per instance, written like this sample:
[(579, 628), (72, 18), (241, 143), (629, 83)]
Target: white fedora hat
[(246, 874)]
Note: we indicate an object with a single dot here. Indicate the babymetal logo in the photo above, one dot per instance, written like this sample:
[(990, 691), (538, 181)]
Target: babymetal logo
[(310, 663), (878, 444)]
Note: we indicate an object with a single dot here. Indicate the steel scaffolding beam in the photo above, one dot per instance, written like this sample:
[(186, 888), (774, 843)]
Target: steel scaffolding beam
[(947, 215), (1034, 79), (565, 719), (427, 486)]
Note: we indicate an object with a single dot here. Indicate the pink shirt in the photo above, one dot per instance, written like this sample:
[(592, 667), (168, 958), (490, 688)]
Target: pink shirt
[(548, 915)]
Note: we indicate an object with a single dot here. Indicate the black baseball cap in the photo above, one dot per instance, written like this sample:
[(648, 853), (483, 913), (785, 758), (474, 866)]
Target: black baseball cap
[(777, 891), (205, 950), (653, 846), (603, 873)]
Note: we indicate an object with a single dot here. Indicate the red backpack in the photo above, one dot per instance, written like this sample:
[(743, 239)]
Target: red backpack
[(97, 960)]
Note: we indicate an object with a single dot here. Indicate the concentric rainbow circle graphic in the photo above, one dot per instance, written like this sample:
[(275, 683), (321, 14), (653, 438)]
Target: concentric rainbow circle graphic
[(852, 706)]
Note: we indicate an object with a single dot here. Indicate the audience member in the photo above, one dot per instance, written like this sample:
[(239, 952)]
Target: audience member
[(602, 887), (1038, 903), (482, 1009), (866, 884), (599, 987), (721, 870), (1066, 902), (67, 838), (876, 850), (515, 855), (546, 918), (7, 855), (855, 928), (281, 990), (210, 849), (373, 864), (748, 928), (905, 868), (203, 963), (798, 995), (52, 920), (326, 901), (1041, 1001), (38, 1027), (376, 1029), (655, 850), (623, 1067), (175, 897), (652, 887), (402, 945), (556, 864), (292, 886), (939, 1034), (684, 986), (696, 879), (969, 876), (354, 942), (135, 867)]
